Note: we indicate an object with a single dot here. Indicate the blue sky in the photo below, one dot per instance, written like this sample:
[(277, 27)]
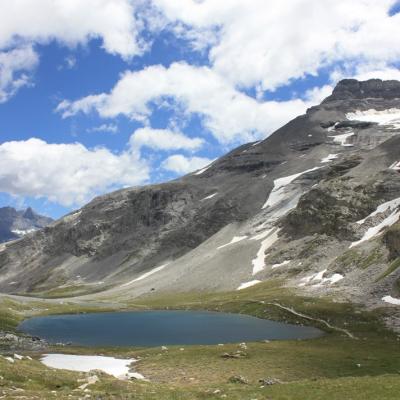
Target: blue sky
[(116, 93)]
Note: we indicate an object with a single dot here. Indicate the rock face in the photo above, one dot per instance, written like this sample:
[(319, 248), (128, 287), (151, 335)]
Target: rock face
[(315, 204), (373, 88), (15, 224)]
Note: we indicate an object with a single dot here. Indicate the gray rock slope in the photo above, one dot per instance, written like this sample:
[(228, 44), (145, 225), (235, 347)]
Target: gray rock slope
[(315, 204), (16, 223)]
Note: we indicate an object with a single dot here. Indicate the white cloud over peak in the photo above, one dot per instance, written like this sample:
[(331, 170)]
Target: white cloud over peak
[(180, 164), (164, 139), (68, 174), (270, 43), (230, 115)]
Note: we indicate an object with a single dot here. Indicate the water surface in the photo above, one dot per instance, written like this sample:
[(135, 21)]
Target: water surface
[(155, 328)]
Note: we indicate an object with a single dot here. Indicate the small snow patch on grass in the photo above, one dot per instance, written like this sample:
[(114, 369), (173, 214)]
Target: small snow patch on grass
[(391, 300), (248, 284), (110, 365)]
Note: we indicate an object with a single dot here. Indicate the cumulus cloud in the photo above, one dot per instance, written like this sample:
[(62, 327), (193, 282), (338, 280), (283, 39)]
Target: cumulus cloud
[(15, 66), (317, 94), (180, 164), (24, 23), (230, 115), (164, 139), (270, 43), (68, 174), (72, 22)]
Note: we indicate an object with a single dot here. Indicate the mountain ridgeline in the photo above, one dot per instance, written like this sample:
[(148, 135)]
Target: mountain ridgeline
[(315, 205)]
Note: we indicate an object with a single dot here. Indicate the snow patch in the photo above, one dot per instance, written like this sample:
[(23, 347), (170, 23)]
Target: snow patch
[(319, 279), (377, 230), (395, 166), (200, 171), (248, 284), (262, 235), (209, 197), (389, 117), (329, 158), (23, 232), (391, 300), (259, 262), (332, 128), (278, 192), (234, 240), (110, 365), (146, 275), (389, 205), (342, 139), (286, 262)]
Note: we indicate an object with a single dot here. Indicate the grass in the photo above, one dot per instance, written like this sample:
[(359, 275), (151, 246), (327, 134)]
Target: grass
[(392, 267), (331, 367), (354, 258)]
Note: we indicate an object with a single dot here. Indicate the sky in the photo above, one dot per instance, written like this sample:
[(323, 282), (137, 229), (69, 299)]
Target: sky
[(98, 95)]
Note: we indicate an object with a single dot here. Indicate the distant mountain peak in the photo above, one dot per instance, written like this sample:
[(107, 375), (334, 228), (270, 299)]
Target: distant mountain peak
[(15, 224), (29, 213)]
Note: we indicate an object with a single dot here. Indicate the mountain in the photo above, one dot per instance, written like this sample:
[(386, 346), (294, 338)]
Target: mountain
[(315, 205), (15, 224)]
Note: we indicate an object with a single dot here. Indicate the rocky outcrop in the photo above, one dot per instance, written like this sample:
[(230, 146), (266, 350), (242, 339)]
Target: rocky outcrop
[(392, 240), (373, 88)]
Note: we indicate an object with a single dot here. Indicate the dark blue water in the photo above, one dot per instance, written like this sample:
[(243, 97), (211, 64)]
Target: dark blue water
[(155, 328)]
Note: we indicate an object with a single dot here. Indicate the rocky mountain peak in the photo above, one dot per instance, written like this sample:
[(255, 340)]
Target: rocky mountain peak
[(14, 224), (29, 214), (348, 89)]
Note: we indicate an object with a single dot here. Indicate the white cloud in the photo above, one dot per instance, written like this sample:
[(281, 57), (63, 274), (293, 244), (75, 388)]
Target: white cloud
[(180, 164), (14, 67), (72, 22), (104, 128), (230, 115), (25, 23), (69, 174), (317, 94), (69, 63), (388, 73), (164, 139), (270, 43)]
